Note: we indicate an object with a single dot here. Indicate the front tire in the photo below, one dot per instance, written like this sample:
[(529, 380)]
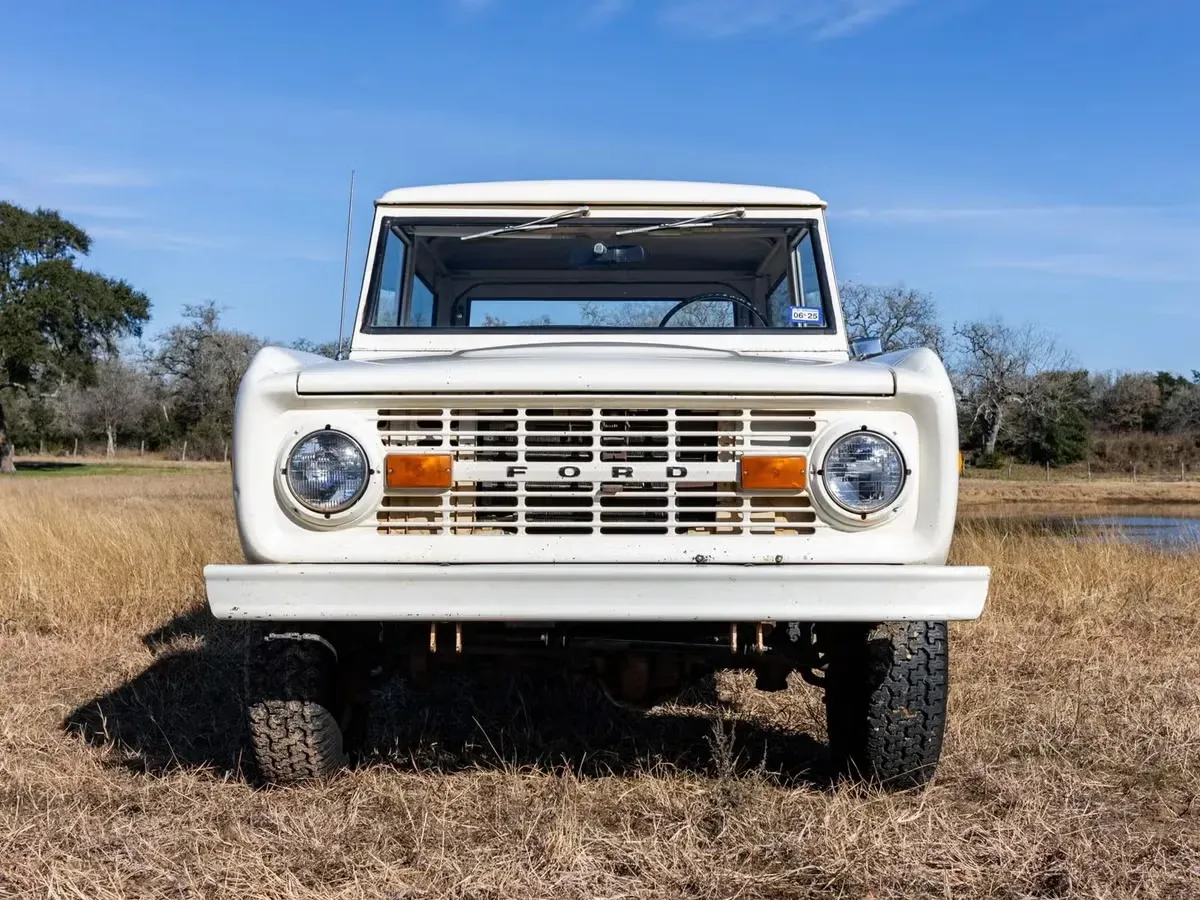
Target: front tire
[(885, 701), (293, 710)]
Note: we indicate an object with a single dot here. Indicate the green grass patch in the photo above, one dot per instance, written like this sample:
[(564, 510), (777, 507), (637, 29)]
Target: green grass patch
[(71, 469)]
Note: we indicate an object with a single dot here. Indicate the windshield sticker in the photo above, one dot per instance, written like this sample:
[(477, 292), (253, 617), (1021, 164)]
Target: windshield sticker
[(802, 315)]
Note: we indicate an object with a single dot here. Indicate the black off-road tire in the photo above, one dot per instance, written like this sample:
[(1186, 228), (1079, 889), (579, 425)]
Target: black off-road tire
[(293, 711), (885, 701)]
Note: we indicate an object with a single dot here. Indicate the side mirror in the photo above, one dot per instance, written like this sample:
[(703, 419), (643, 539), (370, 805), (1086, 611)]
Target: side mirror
[(865, 347)]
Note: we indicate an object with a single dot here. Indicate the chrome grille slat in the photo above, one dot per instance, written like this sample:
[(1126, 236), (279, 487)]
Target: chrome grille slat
[(485, 440)]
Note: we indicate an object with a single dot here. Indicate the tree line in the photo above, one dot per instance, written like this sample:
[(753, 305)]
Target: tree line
[(74, 369), (1022, 399), (76, 372)]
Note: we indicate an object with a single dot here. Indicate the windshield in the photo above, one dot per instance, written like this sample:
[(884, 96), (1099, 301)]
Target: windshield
[(578, 274)]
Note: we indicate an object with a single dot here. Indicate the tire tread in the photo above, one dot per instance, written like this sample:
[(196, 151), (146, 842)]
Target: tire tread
[(294, 729), (886, 702)]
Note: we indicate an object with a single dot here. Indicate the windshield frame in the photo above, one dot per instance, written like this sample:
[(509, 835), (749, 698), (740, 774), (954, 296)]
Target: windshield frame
[(386, 222)]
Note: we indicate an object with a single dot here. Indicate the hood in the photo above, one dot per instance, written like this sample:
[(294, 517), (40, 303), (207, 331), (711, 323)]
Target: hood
[(601, 367)]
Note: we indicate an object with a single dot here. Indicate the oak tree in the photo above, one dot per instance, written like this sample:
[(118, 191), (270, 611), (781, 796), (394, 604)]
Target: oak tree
[(56, 319)]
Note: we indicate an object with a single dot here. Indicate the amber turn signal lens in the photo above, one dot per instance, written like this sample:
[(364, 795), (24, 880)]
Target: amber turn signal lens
[(410, 470), (774, 473)]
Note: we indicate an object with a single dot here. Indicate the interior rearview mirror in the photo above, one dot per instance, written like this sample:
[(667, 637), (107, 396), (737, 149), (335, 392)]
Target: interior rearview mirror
[(600, 254)]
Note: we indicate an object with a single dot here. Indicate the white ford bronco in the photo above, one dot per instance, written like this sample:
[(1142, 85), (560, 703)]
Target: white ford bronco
[(614, 425)]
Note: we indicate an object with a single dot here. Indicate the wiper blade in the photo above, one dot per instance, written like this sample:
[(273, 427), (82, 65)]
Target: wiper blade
[(550, 221), (704, 221)]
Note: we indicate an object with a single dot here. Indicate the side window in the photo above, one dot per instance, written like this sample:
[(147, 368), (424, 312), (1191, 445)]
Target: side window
[(806, 263), (420, 304), (386, 311), (808, 309)]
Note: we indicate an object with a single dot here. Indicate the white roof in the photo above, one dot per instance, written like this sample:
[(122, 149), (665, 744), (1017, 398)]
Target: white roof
[(641, 193)]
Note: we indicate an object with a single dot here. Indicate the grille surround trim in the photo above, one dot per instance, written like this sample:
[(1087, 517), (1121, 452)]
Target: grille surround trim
[(536, 466)]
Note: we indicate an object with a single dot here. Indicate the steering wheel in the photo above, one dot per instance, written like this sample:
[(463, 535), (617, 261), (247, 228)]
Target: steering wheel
[(713, 295)]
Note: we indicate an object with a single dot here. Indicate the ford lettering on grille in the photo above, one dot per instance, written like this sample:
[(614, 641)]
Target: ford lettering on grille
[(602, 472), (562, 468)]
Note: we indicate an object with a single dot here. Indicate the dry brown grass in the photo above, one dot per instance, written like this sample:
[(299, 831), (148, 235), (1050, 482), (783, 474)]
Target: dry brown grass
[(110, 551), (1072, 767)]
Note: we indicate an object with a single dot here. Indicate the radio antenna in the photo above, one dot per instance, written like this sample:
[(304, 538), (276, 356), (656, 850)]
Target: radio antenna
[(346, 268)]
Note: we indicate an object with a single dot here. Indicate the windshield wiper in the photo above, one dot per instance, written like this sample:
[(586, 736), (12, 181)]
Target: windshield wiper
[(704, 221), (550, 221)]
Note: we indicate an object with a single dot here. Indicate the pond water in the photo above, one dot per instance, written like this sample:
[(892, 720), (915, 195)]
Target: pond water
[(1175, 527)]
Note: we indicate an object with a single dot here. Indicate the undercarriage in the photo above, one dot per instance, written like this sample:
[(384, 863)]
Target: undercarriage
[(884, 685), (637, 665)]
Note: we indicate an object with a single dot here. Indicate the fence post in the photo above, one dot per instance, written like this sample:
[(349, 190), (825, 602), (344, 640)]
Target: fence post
[(183, 455), (75, 451), (1089, 468), (1135, 472), (225, 452), (142, 449)]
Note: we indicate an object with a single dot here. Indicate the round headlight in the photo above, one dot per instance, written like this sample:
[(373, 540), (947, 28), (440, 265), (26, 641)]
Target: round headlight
[(327, 471), (863, 472)]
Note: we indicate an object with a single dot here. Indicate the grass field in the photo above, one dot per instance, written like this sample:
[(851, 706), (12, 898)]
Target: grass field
[(1072, 767)]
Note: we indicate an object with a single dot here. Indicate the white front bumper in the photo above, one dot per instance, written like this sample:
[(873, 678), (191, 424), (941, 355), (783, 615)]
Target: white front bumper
[(596, 593)]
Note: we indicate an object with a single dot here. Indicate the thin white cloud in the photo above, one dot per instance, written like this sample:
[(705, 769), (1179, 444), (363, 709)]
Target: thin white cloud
[(938, 214), (1149, 244), (100, 211), (1098, 265), (152, 239), (103, 178), (824, 19), (157, 239), (715, 19), (857, 14), (55, 169), (1176, 310), (603, 10), (71, 203)]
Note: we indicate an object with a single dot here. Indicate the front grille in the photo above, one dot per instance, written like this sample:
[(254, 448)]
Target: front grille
[(608, 470)]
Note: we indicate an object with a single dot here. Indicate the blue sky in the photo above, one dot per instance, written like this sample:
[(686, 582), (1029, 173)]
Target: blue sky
[(1032, 159)]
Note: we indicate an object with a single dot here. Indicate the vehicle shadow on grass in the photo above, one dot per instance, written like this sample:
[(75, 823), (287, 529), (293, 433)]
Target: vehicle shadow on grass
[(512, 720), (184, 711)]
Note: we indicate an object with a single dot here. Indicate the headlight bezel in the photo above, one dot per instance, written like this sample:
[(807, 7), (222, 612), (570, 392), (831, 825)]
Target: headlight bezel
[(346, 513), (832, 509)]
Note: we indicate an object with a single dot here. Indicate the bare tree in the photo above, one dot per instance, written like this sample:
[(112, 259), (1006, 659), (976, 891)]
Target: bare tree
[(999, 368), (1181, 414), (115, 401), (326, 348), (900, 317), (1124, 402), (202, 365), (647, 314)]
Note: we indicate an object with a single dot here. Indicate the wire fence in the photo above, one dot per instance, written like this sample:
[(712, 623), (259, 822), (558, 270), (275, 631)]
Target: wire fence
[(1077, 472)]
